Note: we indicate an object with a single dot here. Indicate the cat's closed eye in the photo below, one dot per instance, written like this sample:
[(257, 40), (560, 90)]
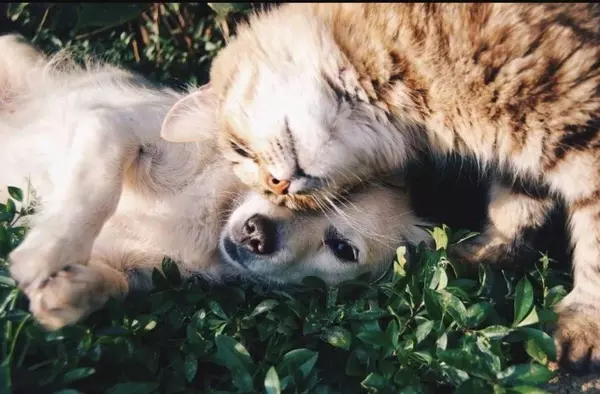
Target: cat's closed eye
[(240, 150)]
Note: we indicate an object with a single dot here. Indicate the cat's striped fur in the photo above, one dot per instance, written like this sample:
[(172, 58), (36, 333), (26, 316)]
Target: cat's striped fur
[(322, 96)]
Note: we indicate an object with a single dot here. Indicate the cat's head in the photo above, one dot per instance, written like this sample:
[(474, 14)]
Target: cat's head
[(274, 244), (292, 116)]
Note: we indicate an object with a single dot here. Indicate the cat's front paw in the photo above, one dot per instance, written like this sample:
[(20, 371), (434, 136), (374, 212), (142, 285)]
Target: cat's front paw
[(73, 293), (489, 247), (577, 334)]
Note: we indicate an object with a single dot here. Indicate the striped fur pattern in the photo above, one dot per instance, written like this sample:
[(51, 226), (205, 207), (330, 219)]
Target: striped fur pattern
[(324, 96)]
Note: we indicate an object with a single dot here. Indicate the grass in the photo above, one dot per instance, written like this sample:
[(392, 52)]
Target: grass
[(429, 327)]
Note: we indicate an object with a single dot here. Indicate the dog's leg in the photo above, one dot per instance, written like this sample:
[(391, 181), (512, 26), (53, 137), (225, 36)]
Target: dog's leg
[(87, 184), (74, 293)]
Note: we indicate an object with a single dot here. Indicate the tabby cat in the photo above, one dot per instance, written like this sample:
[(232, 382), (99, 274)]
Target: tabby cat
[(315, 98)]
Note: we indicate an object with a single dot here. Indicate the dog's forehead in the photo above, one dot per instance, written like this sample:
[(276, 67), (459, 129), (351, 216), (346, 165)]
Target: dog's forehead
[(370, 210), (374, 199)]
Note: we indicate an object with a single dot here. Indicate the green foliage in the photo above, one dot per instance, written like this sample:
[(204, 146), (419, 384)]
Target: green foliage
[(429, 326), (168, 42), (421, 330)]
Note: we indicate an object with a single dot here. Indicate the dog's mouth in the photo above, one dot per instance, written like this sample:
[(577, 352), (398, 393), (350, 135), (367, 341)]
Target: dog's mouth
[(232, 253)]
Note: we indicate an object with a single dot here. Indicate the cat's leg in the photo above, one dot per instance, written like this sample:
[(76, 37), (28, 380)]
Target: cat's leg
[(87, 184), (577, 334), (513, 214), (72, 294)]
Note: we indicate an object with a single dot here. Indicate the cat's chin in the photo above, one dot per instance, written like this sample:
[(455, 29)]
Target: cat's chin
[(312, 201), (295, 202)]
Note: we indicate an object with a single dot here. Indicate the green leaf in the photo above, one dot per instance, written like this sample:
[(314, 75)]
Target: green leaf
[(107, 14), (224, 9), (300, 361), (159, 280), (77, 374), (453, 306), (313, 282), (473, 385), (376, 339), (15, 193), (190, 367), (10, 208), (134, 388), (496, 332), (474, 358), (264, 307), (5, 380), (523, 300), (554, 296), (534, 351), (13, 10), (440, 237), (543, 342), (171, 272), (272, 385), (432, 304), (338, 337), (526, 390), (392, 333), (525, 374), (532, 318), (6, 280), (423, 330), (374, 381), (400, 269), (234, 356), (439, 279), (462, 235), (217, 310), (477, 313)]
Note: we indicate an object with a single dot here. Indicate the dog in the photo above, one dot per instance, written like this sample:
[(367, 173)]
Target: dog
[(112, 199)]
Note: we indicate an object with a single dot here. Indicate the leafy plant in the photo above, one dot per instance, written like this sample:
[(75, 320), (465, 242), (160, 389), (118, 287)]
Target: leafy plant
[(423, 329)]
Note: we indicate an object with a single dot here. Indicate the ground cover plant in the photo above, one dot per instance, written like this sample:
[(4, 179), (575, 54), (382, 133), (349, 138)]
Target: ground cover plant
[(429, 326)]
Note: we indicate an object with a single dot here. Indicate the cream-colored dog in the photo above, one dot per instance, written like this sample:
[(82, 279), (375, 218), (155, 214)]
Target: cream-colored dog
[(113, 199)]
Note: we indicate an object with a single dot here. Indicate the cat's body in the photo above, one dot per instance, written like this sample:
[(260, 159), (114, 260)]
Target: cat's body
[(323, 96)]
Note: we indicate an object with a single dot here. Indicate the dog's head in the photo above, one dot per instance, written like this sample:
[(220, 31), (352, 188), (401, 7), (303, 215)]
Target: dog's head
[(340, 242)]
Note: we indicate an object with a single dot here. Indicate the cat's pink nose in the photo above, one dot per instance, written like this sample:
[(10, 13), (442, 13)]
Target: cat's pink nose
[(277, 186)]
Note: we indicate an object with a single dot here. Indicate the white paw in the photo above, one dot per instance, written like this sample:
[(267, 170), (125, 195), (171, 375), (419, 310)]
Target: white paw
[(73, 293), (39, 257)]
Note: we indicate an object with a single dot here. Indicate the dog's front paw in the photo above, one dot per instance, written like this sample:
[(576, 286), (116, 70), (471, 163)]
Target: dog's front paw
[(577, 334), (39, 258), (73, 293)]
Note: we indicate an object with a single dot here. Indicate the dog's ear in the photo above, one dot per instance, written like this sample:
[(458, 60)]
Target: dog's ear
[(19, 58), (192, 117)]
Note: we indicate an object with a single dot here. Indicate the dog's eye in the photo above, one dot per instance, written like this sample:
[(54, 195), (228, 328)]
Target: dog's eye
[(342, 250), (240, 150)]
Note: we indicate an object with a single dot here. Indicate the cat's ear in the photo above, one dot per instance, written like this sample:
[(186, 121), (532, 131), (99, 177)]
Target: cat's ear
[(192, 117)]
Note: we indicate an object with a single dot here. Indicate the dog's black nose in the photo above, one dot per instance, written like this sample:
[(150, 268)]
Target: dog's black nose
[(258, 235)]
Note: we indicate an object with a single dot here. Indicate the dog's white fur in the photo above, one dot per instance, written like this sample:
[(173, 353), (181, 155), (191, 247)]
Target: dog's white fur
[(112, 198)]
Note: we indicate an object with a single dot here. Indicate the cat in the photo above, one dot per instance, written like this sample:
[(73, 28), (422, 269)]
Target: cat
[(314, 98), (112, 199)]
